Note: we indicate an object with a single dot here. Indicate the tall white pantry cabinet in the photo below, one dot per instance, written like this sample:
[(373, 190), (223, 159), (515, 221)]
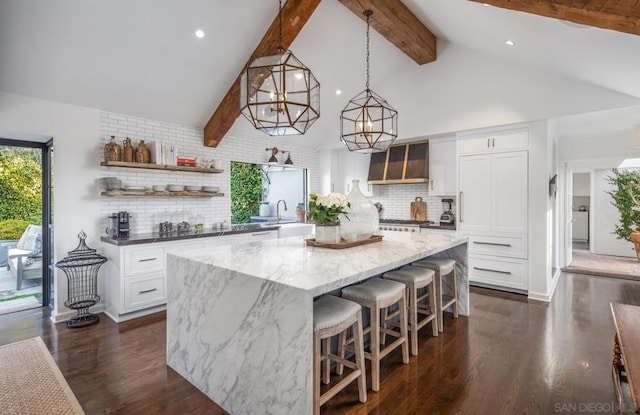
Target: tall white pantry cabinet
[(493, 206)]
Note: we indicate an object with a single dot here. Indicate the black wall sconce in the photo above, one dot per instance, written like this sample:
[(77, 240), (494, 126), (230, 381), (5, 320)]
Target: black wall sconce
[(274, 152)]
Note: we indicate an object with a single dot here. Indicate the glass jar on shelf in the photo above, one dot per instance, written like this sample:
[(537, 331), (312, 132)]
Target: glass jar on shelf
[(112, 150)]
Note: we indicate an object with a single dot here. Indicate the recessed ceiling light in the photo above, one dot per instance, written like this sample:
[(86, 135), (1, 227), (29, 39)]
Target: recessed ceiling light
[(199, 34), (338, 91), (485, 4), (509, 43)]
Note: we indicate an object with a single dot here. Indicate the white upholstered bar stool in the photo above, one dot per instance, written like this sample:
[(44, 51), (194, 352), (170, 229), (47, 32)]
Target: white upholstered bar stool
[(442, 268), (331, 316), (417, 279), (377, 294)]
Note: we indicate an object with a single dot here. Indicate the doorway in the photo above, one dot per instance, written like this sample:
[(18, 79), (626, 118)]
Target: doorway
[(25, 225), (594, 249)]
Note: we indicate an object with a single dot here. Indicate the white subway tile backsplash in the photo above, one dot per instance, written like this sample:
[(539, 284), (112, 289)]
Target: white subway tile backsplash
[(189, 140), (396, 200)]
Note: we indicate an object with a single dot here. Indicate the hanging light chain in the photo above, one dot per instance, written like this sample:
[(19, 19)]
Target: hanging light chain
[(280, 46), (368, 13)]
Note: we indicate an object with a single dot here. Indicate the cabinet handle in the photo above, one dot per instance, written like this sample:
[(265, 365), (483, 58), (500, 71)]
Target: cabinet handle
[(493, 142), (488, 142), (260, 233), (492, 270), (333, 187), (432, 184), (148, 291), (461, 207), (490, 243), (147, 259)]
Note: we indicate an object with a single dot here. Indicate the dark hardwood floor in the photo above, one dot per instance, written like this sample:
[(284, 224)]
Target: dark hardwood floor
[(511, 356)]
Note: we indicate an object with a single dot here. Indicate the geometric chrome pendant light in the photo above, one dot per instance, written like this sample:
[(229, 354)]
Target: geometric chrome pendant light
[(368, 123), (278, 94)]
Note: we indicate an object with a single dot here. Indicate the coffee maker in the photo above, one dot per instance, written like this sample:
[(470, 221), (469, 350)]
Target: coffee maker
[(118, 225), (447, 217)]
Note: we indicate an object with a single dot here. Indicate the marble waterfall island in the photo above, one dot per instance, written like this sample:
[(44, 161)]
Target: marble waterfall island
[(240, 317)]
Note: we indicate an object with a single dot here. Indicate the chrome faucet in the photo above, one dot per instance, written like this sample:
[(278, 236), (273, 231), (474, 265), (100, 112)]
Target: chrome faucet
[(278, 209)]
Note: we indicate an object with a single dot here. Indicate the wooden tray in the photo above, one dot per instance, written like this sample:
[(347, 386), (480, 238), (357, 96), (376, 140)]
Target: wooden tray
[(344, 244)]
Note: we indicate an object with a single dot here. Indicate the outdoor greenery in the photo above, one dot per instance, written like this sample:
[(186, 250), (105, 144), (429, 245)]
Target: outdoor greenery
[(21, 184), (12, 228), (38, 296), (246, 191), (626, 198)]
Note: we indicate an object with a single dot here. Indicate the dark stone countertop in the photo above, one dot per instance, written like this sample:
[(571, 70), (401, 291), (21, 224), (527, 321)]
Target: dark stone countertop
[(146, 238)]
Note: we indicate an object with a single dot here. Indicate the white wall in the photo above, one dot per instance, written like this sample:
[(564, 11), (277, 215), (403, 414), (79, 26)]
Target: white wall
[(581, 184), (286, 185), (75, 132), (541, 169), (79, 136)]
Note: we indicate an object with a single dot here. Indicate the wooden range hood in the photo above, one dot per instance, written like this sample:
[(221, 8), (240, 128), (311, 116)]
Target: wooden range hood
[(401, 163)]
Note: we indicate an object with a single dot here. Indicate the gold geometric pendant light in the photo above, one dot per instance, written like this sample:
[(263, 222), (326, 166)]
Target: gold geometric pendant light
[(368, 123), (278, 94)]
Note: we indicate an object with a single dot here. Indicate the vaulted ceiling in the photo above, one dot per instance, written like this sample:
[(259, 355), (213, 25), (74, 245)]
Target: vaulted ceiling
[(142, 58)]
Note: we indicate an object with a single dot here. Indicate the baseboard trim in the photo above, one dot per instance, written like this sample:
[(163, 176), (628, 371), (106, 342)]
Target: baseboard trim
[(68, 314)]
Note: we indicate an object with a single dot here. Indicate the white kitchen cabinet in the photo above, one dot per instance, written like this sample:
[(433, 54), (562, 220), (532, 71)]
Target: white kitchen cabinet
[(508, 273), (580, 226), (493, 142), (442, 166), (510, 192), (349, 166), (137, 274), (493, 207), (475, 199), (493, 193)]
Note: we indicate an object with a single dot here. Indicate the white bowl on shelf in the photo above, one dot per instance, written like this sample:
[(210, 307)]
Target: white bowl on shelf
[(175, 187), (211, 189), (193, 188), (159, 187)]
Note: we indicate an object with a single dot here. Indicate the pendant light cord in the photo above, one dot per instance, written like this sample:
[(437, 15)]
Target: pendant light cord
[(368, 13), (280, 47)]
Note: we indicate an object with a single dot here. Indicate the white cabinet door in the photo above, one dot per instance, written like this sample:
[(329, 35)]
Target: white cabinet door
[(510, 184), (494, 141), (442, 167), (350, 166), (475, 193), (510, 140), (499, 272), (580, 226)]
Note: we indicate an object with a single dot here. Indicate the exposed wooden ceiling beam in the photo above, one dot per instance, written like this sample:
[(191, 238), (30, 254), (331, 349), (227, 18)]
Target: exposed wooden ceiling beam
[(295, 14), (398, 25), (620, 15)]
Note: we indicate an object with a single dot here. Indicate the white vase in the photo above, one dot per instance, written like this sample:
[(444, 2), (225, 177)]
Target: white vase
[(328, 234), (264, 210), (363, 217)]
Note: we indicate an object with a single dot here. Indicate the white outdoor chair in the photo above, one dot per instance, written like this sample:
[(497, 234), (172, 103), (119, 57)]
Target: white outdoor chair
[(25, 260)]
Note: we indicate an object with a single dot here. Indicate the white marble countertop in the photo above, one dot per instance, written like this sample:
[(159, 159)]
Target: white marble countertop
[(316, 270)]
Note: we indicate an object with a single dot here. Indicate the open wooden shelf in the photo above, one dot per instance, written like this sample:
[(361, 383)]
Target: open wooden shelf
[(120, 193), (165, 167)]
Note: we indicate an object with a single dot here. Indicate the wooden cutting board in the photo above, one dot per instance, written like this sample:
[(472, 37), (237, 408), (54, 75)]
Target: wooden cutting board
[(418, 209)]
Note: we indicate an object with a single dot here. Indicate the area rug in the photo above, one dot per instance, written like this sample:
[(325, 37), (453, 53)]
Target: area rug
[(585, 262), (31, 382)]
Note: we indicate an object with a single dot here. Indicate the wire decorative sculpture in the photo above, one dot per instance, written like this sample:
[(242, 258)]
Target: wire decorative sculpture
[(81, 267)]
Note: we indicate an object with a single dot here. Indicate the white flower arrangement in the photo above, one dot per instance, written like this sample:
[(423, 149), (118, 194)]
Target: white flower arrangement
[(325, 209)]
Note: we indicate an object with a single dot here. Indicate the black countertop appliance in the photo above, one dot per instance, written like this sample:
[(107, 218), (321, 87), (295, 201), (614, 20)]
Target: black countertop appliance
[(118, 225)]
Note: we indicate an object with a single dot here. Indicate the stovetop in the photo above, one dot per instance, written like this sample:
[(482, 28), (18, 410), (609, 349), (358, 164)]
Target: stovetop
[(405, 222)]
